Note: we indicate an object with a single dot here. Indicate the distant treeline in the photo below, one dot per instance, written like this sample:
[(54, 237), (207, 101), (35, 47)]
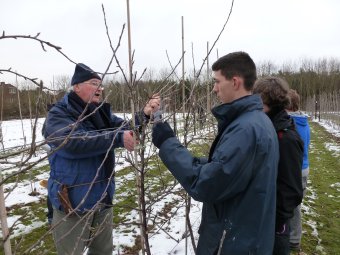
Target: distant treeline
[(317, 82)]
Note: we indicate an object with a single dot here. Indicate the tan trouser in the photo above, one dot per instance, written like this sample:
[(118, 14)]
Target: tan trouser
[(73, 234)]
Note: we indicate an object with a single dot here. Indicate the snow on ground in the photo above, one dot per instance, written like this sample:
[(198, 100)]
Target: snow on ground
[(307, 209), (165, 239), (330, 126), (162, 242), (14, 136), (336, 186), (333, 148), (21, 191)]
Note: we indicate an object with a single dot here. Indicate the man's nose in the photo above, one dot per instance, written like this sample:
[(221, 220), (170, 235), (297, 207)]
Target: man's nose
[(215, 88)]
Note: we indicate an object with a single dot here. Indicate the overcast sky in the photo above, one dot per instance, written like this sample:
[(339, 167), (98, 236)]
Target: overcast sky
[(276, 30)]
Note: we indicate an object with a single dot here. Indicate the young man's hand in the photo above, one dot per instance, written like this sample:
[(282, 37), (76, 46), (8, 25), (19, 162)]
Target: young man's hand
[(161, 131)]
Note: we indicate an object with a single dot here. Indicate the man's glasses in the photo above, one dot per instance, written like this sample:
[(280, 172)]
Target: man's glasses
[(93, 83)]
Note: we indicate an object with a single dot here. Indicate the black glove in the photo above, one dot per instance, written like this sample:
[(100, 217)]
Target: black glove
[(161, 131)]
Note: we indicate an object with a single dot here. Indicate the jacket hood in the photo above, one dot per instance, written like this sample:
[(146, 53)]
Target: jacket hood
[(226, 113), (300, 119), (282, 121)]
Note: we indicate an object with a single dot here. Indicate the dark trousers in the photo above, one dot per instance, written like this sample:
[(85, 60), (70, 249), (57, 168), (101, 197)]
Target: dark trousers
[(281, 245)]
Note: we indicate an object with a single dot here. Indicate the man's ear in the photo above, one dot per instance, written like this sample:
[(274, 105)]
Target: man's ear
[(237, 81), (76, 88)]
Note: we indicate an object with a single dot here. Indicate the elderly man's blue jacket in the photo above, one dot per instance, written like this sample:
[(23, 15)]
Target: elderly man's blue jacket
[(78, 160), (237, 185)]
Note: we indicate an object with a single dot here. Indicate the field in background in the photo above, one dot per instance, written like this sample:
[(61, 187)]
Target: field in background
[(320, 210)]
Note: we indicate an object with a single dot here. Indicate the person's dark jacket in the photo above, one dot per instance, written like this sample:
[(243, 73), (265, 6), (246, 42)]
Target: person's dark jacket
[(237, 184), (289, 184), (85, 160)]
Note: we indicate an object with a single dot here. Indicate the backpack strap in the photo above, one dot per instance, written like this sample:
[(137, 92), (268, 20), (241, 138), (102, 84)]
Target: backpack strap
[(281, 132)]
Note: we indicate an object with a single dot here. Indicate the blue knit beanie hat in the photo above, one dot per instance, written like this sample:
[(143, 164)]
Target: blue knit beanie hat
[(83, 73)]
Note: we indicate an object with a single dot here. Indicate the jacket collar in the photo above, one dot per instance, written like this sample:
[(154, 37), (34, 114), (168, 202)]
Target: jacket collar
[(226, 113), (282, 121), (77, 112)]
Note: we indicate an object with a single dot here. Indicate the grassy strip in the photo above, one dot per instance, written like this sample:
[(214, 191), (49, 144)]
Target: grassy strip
[(29, 175), (321, 221), (32, 213)]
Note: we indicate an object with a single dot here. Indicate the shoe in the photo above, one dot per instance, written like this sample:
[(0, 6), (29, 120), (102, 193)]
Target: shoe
[(294, 246)]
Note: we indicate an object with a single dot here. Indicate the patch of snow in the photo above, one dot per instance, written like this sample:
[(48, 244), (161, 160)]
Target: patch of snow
[(334, 148), (330, 126), (336, 186)]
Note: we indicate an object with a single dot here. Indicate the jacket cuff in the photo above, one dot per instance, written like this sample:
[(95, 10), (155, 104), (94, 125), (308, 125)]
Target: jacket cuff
[(119, 141)]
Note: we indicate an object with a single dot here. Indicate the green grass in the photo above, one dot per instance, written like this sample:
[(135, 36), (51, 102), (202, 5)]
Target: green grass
[(33, 212), (28, 175), (325, 202), (322, 200), (29, 214)]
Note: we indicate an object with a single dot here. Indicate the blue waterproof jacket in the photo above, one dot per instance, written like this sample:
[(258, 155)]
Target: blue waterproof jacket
[(79, 160), (237, 185)]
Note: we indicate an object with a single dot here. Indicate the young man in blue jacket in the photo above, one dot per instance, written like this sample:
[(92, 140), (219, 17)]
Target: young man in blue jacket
[(83, 134), (237, 182)]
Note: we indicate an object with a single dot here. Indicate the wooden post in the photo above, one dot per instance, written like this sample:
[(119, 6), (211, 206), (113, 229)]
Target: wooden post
[(135, 156), (129, 41), (183, 107), (3, 218), (208, 82), (1, 114), (183, 74)]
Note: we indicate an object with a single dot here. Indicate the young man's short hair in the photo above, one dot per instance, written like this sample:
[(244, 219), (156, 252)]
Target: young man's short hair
[(237, 64)]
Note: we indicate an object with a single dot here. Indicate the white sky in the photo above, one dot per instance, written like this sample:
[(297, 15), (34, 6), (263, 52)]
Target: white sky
[(277, 30)]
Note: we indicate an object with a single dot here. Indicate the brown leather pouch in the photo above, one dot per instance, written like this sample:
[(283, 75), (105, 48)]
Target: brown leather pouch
[(64, 199)]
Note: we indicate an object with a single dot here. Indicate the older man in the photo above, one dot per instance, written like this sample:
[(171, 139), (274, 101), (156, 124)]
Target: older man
[(83, 134)]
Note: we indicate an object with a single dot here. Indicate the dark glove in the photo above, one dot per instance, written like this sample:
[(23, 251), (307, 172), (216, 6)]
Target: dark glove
[(161, 131)]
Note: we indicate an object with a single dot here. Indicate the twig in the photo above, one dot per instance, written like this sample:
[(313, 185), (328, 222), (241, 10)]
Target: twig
[(42, 43)]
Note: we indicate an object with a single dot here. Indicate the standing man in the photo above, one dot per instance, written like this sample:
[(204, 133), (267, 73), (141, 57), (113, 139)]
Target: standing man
[(237, 182), (274, 93), (83, 134), (302, 127)]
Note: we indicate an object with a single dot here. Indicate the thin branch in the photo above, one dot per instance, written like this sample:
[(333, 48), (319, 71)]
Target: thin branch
[(42, 43), (33, 80)]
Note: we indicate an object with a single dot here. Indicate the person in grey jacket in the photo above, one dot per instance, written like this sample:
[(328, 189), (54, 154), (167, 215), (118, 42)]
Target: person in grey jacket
[(237, 182)]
